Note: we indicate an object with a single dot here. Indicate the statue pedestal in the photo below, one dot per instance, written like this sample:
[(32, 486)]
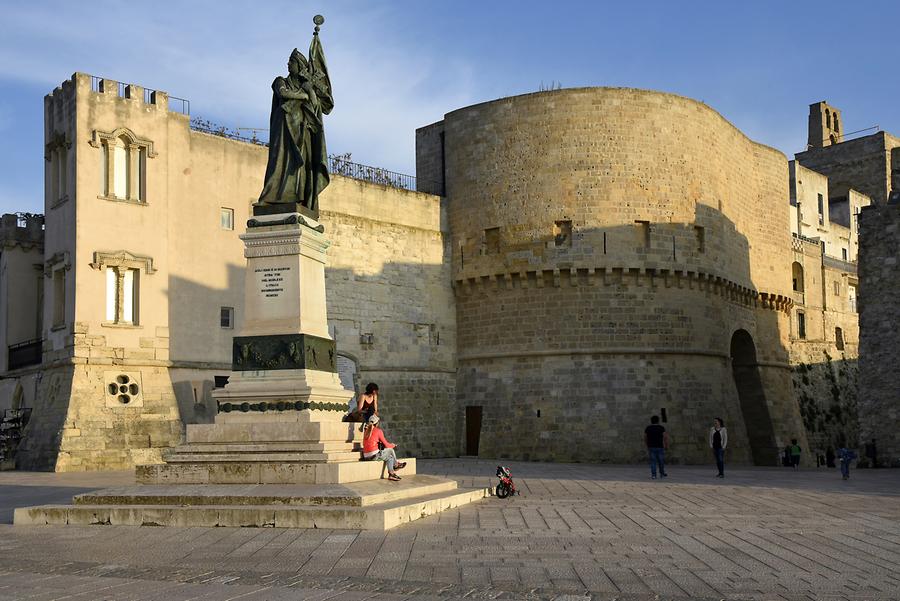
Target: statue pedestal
[(278, 454), (280, 413)]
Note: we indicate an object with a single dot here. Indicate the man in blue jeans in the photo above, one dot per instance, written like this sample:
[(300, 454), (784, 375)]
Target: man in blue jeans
[(657, 440)]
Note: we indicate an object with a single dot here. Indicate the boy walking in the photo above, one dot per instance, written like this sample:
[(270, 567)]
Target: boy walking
[(657, 441), (795, 454)]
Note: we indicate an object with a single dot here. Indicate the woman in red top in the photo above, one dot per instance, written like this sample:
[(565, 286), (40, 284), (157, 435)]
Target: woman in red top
[(372, 436)]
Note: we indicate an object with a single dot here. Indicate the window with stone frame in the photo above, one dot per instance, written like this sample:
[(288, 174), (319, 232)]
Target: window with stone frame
[(226, 218), (123, 272), (123, 164), (801, 324), (122, 295), (226, 317), (839, 339), (56, 153), (55, 268), (59, 297)]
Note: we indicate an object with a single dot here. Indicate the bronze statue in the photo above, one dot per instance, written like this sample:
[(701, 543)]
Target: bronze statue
[(297, 170)]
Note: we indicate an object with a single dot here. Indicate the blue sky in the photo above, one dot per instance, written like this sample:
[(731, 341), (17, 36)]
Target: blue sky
[(399, 65)]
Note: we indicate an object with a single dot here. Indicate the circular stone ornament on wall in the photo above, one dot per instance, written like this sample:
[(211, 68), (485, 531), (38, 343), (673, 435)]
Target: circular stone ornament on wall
[(123, 389)]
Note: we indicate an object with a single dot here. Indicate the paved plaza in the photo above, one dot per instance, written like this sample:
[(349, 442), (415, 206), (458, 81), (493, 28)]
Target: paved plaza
[(576, 532)]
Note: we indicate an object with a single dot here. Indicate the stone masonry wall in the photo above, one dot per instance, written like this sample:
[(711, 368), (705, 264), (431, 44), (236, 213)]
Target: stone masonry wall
[(388, 276), (879, 316), (864, 164), (606, 245)]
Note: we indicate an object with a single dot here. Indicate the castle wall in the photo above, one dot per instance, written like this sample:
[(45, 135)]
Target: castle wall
[(389, 276), (879, 315), (606, 245)]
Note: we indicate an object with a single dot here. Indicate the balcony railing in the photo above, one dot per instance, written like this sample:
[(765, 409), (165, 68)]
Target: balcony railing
[(836, 263), (24, 354)]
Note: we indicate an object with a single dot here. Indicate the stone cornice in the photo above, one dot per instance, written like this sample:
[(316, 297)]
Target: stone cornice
[(122, 258), (98, 138), (55, 259)]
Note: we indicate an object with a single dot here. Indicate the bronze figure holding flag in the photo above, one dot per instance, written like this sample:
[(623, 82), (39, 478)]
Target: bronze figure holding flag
[(297, 169)]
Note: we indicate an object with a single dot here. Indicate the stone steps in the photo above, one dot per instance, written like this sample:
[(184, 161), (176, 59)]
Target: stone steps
[(267, 457), (387, 513), (261, 472), (270, 447), (355, 494)]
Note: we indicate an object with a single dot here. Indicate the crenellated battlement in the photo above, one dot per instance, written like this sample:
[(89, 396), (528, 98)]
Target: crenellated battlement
[(25, 229), (127, 92), (626, 276)]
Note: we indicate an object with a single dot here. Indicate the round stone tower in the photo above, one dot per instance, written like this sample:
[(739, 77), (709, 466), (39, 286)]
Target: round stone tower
[(617, 254)]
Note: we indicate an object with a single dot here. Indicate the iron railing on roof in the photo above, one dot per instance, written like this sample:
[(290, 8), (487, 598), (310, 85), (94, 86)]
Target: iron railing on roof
[(342, 165), (338, 164), (176, 104)]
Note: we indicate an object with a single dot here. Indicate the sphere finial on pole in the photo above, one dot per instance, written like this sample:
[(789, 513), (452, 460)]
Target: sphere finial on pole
[(317, 20)]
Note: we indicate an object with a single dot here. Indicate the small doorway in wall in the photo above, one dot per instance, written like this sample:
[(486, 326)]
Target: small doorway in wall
[(473, 430)]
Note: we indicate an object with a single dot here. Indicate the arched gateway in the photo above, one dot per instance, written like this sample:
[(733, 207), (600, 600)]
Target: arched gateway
[(752, 397)]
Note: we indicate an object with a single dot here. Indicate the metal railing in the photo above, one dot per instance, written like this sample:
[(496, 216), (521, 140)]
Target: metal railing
[(815, 241), (340, 165), (176, 104), (337, 164), (836, 263), (24, 354), (208, 127), (179, 105)]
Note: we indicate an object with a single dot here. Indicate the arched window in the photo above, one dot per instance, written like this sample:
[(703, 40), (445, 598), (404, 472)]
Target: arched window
[(833, 138), (123, 164), (121, 167), (836, 127), (797, 276), (827, 118), (839, 339)]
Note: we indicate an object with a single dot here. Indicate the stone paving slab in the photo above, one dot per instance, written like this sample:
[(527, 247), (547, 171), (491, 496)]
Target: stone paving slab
[(577, 532)]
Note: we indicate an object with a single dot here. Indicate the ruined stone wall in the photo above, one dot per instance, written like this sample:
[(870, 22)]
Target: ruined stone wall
[(606, 245), (879, 404)]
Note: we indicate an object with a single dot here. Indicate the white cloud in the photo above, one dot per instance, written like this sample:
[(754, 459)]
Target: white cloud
[(223, 57)]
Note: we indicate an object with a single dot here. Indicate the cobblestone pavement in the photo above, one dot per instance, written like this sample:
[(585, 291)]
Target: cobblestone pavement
[(576, 532)]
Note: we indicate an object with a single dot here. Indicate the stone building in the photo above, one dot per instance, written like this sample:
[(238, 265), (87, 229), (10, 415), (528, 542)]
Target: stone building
[(824, 335), (598, 256), (869, 164), (143, 275)]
